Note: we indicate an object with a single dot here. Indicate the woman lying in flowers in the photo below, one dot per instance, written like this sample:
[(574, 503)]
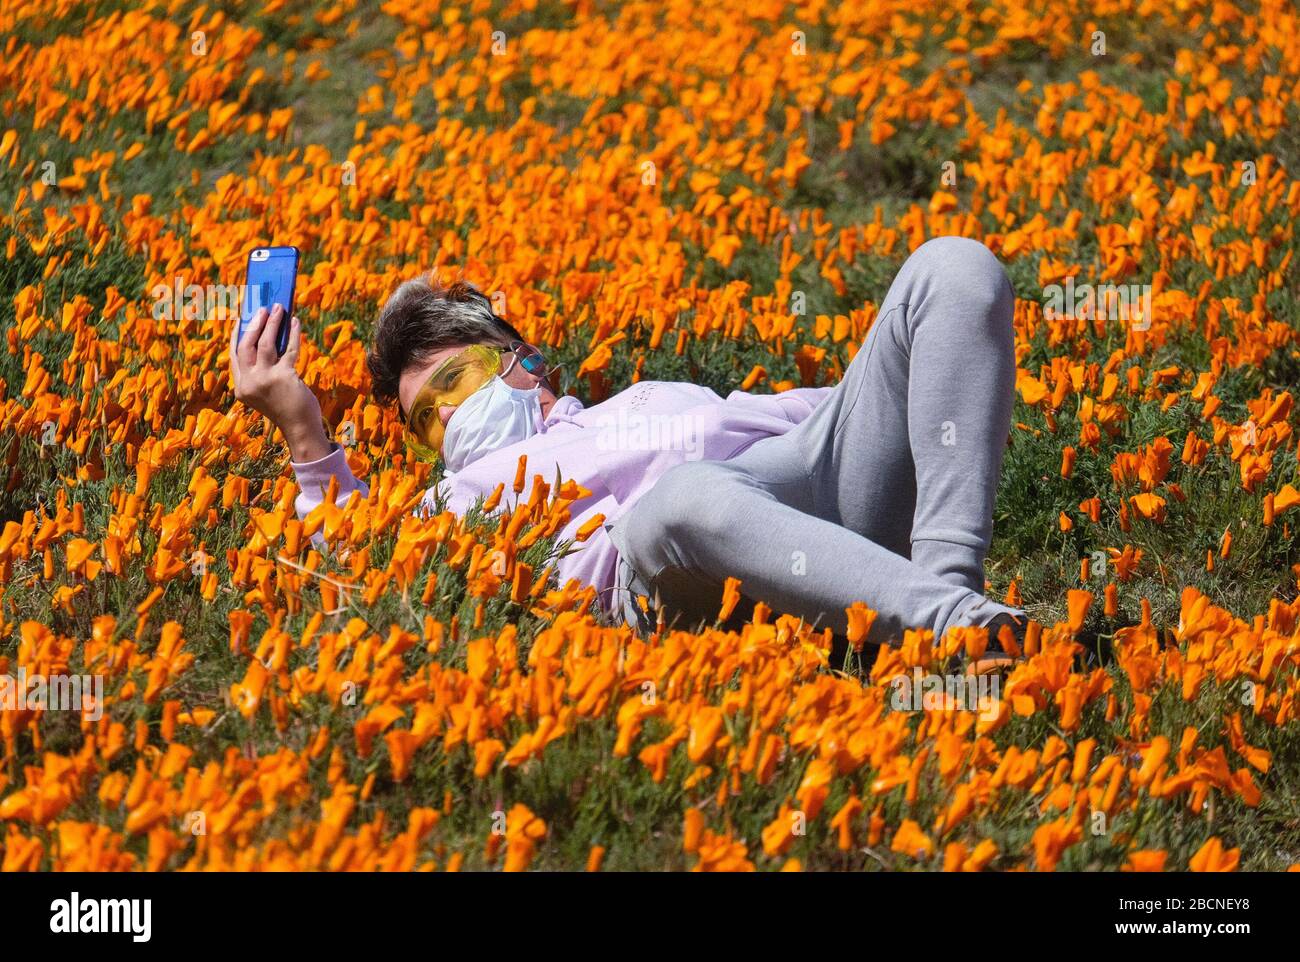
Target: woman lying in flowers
[(878, 490)]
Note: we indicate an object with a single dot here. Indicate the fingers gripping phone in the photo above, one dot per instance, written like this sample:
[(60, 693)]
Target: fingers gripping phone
[(270, 281)]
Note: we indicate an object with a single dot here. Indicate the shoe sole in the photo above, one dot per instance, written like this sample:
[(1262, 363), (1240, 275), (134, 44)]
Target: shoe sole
[(991, 665)]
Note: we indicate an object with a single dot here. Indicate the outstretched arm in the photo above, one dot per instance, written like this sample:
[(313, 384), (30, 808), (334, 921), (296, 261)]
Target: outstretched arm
[(270, 385)]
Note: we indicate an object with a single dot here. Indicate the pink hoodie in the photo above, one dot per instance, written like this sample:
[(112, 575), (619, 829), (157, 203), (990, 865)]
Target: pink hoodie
[(616, 449)]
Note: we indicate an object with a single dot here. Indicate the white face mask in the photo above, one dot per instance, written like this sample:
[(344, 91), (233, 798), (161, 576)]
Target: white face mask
[(493, 417)]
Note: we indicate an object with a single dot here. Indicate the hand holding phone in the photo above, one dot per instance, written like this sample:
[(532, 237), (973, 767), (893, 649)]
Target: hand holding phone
[(270, 279), (264, 355)]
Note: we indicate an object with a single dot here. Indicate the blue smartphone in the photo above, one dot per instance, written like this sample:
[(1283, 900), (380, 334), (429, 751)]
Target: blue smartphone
[(272, 272)]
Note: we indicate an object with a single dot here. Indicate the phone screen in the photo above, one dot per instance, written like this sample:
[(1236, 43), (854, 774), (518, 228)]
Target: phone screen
[(269, 281)]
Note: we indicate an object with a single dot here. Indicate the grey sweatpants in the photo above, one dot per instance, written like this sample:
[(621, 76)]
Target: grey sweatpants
[(884, 494)]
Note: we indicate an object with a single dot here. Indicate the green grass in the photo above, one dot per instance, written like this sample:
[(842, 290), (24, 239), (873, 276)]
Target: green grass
[(586, 795)]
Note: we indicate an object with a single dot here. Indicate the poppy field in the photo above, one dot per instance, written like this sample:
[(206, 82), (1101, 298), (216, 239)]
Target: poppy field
[(718, 193)]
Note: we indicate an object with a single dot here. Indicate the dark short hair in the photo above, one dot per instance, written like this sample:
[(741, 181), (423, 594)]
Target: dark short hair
[(421, 318)]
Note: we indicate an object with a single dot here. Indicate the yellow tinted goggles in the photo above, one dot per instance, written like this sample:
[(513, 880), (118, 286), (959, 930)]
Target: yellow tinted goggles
[(448, 386)]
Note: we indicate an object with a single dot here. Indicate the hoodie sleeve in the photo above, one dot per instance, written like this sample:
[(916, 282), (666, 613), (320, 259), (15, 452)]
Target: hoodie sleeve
[(716, 430), (314, 480), (793, 405)]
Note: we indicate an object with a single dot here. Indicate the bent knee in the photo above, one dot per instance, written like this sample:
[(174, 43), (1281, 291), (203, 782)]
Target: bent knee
[(966, 261), (970, 275), (945, 253)]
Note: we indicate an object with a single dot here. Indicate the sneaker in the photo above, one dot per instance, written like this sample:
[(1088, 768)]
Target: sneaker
[(1006, 635)]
